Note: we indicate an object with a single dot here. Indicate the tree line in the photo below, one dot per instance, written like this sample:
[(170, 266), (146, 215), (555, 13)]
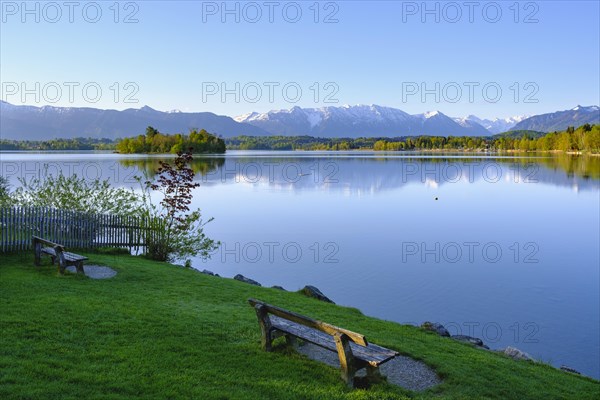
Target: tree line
[(585, 139), (59, 144), (155, 142)]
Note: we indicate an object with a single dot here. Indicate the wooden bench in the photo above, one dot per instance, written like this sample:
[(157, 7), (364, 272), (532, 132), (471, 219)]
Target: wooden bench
[(56, 251), (353, 350)]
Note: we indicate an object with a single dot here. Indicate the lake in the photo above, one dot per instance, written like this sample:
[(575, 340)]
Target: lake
[(505, 248)]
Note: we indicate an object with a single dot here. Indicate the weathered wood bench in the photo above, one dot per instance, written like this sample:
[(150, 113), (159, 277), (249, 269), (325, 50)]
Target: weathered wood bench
[(353, 350), (56, 252)]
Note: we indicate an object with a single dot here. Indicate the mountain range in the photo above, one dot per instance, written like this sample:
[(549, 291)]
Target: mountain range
[(37, 123), (561, 120), (360, 120)]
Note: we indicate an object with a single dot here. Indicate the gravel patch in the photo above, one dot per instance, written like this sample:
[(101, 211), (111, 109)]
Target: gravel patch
[(95, 271), (402, 371)]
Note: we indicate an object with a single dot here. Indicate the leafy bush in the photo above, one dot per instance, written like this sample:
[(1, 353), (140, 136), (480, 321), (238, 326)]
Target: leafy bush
[(175, 231), (78, 194), (5, 199)]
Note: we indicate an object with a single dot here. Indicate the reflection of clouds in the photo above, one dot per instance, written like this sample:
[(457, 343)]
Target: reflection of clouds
[(364, 176), (431, 184)]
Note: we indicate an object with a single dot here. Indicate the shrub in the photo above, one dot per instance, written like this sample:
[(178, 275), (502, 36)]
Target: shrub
[(78, 194)]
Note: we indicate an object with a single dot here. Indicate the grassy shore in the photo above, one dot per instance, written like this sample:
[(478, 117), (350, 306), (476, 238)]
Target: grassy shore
[(157, 331)]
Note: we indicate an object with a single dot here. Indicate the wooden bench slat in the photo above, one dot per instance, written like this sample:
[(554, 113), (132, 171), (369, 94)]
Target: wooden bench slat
[(74, 257), (301, 319), (372, 354), (68, 256)]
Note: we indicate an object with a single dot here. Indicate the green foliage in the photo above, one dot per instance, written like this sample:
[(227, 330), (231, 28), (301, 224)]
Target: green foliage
[(586, 138), (77, 194), (155, 331), (180, 232), (149, 165), (174, 232), (151, 132), (156, 142), (59, 144), (5, 200)]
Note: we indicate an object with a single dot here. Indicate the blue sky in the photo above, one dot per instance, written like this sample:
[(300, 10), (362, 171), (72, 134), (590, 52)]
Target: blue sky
[(181, 55)]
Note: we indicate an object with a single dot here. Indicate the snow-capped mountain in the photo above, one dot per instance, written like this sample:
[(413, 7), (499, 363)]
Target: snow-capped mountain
[(36, 123), (494, 126), (561, 120), (48, 122), (359, 120)]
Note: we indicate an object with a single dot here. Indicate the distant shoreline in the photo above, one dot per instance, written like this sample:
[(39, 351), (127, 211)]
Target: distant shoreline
[(442, 151)]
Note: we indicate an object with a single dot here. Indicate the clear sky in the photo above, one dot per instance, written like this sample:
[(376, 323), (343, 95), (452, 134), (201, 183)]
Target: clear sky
[(491, 59)]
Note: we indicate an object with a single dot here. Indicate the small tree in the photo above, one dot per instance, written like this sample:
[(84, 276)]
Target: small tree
[(180, 232), (151, 132)]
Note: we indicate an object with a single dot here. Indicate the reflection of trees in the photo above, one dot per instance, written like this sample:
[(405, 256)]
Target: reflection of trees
[(148, 166), (584, 166), (376, 171), (587, 167)]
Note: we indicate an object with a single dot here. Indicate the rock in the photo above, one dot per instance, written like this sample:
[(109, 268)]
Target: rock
[(569, 369), (516, 354), (242, 278), (469, 339), (207, 272), (278, 287), (311, 291), (435, 327)]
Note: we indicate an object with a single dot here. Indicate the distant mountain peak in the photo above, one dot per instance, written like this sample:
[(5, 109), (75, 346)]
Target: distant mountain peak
[(246, 117), (495, 125), (561, 120), (585, 109), (430, 114)]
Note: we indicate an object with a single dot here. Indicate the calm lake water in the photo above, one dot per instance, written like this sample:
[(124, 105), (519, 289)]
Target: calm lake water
[(501, 248)]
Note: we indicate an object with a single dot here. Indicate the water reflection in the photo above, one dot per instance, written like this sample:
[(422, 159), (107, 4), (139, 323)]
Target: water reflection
[(148, 167), (372, 173), (351, 172)]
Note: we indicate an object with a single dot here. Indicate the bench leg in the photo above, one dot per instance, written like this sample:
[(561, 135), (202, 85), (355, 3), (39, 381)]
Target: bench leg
[(291, 341), (265, 327), (61, 265), (37, 249), (374, 374), (347, 364), (79, 267)]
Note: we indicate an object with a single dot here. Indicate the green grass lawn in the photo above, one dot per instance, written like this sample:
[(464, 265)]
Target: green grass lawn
[(156, 331)]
